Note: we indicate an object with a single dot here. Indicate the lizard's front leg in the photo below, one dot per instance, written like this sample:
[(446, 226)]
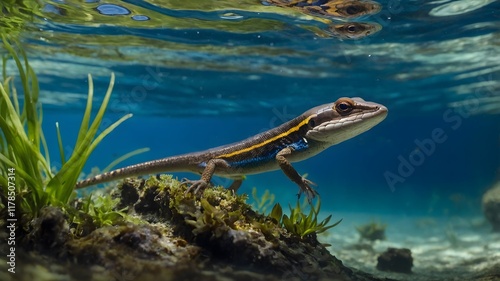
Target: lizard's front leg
[(206, 175), (291, 173)]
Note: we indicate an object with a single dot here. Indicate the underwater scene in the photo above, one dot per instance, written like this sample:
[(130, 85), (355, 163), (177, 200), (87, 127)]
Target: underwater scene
[(250, 140)]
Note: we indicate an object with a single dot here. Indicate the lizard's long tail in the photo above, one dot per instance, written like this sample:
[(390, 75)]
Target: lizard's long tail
[(169, 164)]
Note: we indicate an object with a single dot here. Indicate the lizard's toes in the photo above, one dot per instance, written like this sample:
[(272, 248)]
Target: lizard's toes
[(195, 186), (307, 189)]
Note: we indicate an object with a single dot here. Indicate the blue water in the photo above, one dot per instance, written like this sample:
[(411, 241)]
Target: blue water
[(199, 78)]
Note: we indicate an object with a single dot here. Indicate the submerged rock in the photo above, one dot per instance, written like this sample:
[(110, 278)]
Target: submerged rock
[(49, 232), (395, 260), (177, 236), (221, 230), (491, 206)]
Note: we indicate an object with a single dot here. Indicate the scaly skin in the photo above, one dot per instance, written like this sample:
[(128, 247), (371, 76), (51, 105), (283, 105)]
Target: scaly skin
[(300, 138)]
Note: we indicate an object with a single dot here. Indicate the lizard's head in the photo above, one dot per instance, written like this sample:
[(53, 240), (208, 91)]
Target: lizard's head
[(339, 121)]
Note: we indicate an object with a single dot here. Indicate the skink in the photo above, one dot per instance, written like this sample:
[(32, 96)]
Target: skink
[(300, 138)]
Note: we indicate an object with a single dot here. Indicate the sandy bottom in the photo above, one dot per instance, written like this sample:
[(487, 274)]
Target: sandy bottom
[(442, 248)]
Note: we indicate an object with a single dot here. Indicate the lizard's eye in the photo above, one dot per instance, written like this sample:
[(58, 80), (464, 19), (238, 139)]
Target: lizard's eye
[(312, 123), (343, 107)]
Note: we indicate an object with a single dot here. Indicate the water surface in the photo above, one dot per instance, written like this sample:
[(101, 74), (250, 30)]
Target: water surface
[(198, 74)]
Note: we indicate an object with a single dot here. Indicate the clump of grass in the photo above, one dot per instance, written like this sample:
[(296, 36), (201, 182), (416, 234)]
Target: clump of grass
[(23, 149), (302, 224)]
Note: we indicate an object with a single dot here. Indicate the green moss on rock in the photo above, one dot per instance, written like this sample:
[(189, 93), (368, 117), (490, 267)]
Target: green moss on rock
[(180, 236), (228, 231)]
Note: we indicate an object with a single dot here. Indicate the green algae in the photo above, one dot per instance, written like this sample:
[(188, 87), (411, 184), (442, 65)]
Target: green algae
[(215, 212), (217, 225), (218, 210), (178, 236)]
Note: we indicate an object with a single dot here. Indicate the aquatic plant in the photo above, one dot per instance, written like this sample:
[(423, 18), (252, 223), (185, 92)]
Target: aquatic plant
[(24, 157), (183, 235), (217, 212), (215, 220), (372, 231), (262, 203), (299, 223), (95, 211), (162, 198)]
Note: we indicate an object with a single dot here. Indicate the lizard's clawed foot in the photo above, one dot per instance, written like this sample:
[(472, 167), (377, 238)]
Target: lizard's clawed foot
[(194, 186), (305, 187)]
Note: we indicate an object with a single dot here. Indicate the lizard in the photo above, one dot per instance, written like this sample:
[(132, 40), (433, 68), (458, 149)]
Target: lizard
[(298, 139)]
